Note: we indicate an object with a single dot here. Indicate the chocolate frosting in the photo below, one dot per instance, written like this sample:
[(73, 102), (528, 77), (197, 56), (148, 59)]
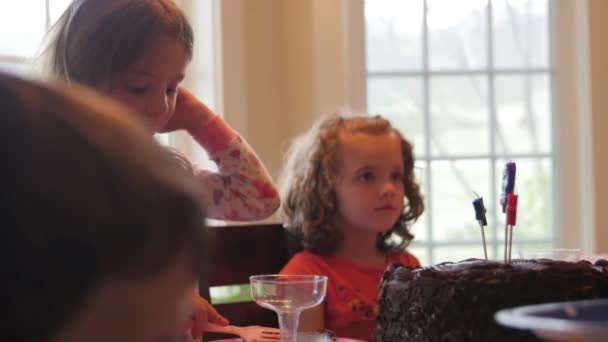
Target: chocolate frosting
[(456, 301)]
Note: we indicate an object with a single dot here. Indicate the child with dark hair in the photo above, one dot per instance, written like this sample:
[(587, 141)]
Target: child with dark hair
[(349, 195), (102, 233)]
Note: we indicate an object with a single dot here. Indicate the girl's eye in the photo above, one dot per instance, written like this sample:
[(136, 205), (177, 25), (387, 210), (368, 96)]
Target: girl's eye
[(366, 177), (137, 90), (397, 177)]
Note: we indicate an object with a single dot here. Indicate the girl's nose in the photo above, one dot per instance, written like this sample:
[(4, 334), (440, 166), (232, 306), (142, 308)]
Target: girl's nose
[(388, 189), (156, 106)]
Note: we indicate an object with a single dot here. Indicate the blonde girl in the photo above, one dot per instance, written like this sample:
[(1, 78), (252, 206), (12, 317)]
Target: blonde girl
[(137, 52)]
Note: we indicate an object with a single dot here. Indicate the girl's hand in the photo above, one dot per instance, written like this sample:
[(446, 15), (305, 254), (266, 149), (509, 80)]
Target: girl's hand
[(203, 314), (189, 113)]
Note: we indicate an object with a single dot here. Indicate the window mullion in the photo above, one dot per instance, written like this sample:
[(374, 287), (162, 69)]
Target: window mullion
[(457, 72), (492, 127), (554, 221), (47, 23), (427, 130)]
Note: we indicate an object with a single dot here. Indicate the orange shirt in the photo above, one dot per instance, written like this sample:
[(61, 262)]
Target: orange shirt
[(352, 290)]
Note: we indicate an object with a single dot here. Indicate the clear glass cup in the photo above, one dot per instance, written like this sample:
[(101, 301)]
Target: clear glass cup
[(563, 254), (314, 336), (288, 295)]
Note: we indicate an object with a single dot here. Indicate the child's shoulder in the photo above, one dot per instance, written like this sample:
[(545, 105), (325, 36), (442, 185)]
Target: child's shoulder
[(406, 258), (305, 262), (307, 256)]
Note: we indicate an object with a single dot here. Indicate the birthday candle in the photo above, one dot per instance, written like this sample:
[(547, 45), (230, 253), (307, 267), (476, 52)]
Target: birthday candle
[(480, 211), (511, 219), (508, 186), (511, 209), (480, 216)]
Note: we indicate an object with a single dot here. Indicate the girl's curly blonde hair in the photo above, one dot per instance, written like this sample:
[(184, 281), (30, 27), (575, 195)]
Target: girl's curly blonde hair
[(308, 180)]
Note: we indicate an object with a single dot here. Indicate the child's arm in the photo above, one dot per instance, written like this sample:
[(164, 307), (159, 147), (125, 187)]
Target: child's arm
[(243, 189), (204, 314)]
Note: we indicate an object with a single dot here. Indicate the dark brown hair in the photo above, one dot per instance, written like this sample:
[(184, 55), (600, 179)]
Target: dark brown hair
[(93, 40), (87, 195), (307, 183)]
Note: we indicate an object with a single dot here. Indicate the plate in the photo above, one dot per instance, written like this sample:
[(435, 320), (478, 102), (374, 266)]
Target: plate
[(579, 321), (338, 339)]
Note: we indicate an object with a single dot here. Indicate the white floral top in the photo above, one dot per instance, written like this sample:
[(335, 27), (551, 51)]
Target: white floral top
[(242, 190)]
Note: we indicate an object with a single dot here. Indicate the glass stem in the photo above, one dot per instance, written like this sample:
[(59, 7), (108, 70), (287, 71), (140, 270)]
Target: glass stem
[(288, 322)]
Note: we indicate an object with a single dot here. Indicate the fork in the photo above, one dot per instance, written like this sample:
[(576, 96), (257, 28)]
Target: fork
[(252, 333)]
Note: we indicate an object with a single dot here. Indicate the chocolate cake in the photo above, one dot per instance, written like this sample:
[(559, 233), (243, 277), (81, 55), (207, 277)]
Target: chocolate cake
[(457, 301)]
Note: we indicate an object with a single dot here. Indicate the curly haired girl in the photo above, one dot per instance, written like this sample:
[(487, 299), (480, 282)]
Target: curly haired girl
[(350, 194)]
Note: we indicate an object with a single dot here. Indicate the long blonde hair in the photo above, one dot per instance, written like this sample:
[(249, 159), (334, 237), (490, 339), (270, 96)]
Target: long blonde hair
[(308, 185), (93, 40)]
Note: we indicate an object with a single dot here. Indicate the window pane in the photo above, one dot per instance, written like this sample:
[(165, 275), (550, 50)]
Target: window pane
[(521, 33), (419, 228), (533, 185), (523, 114), (420, 252), (394, 34), (22, 25), (457, 34), (454, 184), (459, 115), (400, 100), (57, 7)]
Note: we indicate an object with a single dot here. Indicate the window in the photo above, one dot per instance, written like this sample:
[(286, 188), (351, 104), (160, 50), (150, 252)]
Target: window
[(470, 84), (22, 27)]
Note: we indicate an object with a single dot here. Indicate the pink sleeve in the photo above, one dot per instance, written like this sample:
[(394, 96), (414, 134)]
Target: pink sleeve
[(242, 190)]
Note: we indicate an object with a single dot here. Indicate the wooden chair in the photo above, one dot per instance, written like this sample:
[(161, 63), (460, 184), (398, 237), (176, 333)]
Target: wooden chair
[(237, 252)]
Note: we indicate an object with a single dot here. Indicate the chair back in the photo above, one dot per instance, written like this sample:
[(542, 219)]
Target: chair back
[(235, 253)]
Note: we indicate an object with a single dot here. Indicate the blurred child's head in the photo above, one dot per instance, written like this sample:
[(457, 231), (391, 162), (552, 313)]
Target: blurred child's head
[(349, 173), (133, 50), (101, 235)]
